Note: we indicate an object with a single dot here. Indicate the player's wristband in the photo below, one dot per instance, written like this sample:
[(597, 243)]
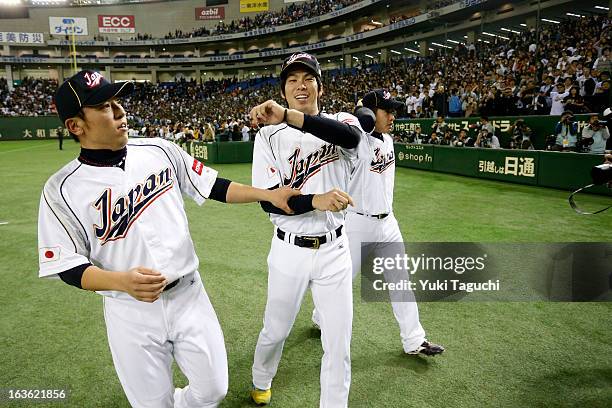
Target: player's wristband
[(285, 116)]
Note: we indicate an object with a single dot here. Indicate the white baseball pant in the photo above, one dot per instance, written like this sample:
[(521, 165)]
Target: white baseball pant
[(291, 270), (144, 337), (369, 236), (382, 237)]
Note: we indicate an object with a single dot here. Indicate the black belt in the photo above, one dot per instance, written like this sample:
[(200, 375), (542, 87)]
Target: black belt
[(308, 242), (378, 216), (172, 284)]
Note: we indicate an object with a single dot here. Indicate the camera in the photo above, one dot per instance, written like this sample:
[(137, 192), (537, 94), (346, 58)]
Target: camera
[(583, 145), (602, 173), (567, 117)]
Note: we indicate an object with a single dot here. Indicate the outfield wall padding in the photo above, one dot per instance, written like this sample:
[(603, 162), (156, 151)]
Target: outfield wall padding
[(567, 171)]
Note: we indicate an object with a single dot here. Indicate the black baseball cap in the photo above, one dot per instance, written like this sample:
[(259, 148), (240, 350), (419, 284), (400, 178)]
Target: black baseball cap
[(301, 58), (87, 88), (381, 99)]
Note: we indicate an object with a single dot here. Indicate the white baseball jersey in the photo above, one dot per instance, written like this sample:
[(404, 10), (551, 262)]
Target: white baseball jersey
[(372, 181), (119, 219), (290, 157)]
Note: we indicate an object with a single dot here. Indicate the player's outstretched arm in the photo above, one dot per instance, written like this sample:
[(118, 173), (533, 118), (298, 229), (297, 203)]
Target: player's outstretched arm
[(240, 193), (334, 200), (141, 283), (329, 130)]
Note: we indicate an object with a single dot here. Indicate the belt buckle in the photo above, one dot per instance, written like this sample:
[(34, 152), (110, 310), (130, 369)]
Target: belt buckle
[(315, 242)]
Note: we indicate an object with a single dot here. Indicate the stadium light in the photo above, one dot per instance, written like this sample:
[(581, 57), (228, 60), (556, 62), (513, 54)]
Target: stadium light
[(551, 21), (354, 57), (510, 30), (396, 52), (440, 45), (574, 15), (10, 2), (411, 50), (489, 34), (431, 49), (452, 41), (602, 8), (523, 25), (379, 53), (369, 56)]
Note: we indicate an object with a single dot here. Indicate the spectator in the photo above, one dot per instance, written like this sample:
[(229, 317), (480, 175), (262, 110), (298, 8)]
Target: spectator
[(573, 102), (454, 105), (245, 132), (603, 63), (557, 96)]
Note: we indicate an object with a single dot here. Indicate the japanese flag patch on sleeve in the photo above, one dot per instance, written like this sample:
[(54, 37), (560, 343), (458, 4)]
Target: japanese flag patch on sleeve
[(48, 254)]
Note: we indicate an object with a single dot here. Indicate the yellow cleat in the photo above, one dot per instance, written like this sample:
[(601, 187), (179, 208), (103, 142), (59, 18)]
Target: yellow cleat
[(261, 397)]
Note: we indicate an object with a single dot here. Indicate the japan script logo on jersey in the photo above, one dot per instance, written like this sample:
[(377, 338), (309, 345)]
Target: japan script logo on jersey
[(92, 79), (304, 168), (381, 161), (386, 94), (117, 217), (197, 167)]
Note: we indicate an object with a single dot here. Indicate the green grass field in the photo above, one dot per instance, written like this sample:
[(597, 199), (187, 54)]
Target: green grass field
[(498, 354)]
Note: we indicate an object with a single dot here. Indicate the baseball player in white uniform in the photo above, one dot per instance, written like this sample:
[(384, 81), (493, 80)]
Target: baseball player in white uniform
[(113, 221), (370, 224), (305, 149)]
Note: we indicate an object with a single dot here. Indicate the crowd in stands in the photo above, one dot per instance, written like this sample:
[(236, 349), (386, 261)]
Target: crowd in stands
[(293, 12), (33, 97), (566, 71)]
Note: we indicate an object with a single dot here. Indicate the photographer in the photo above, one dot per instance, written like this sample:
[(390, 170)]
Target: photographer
[(434, 139), (486, 135), (449, 138), (520, 136), (566, 133), (439, 125), (595, 135), (417, 137), (463, 140)]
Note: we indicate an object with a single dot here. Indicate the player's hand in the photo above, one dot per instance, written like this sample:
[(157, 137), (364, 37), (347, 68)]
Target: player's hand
[(267, 113), (144, 284), (334, 200), (280, 197), (608, 158)]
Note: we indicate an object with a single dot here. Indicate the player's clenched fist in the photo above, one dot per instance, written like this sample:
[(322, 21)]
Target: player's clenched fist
[(144, 284), (334, 200), (268, 113)]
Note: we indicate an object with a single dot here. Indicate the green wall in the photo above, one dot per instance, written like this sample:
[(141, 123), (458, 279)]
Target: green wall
[(541, 126)]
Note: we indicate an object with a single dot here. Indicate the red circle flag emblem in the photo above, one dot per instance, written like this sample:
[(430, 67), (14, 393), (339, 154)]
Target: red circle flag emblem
[(49, 254)]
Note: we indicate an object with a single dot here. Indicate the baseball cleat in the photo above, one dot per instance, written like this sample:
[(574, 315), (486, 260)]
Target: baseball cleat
[(261, 397), (427, 349)]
